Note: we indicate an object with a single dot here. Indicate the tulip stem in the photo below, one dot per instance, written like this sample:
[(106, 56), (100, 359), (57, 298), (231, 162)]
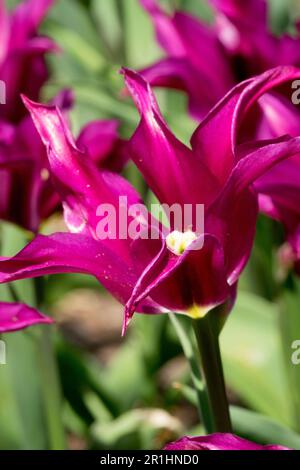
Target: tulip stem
[(212, 371), (191, 356)]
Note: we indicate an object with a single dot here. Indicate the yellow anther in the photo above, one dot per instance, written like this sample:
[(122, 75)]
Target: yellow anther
[(178, 242)]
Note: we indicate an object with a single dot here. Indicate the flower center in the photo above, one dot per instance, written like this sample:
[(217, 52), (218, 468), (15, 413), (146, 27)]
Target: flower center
[(178, 242)]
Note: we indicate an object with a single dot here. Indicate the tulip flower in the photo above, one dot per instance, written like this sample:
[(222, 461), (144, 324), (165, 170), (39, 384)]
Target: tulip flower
[(205, 61), (168, 272), (218, 441)]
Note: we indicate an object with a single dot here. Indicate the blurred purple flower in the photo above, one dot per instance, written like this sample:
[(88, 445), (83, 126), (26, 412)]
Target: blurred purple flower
[(218, 441), (205, 60), (147, 275), (27, 196), (22, 55)]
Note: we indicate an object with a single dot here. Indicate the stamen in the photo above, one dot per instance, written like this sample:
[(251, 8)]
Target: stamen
[(178, 242)]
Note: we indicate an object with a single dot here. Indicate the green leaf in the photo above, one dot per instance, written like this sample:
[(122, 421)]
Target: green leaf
[(261, 429), (252, 357), (141, 47), (107, 17), (21, 410)]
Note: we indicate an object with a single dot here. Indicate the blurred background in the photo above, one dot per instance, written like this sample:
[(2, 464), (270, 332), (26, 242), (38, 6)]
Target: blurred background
[(135, 393)]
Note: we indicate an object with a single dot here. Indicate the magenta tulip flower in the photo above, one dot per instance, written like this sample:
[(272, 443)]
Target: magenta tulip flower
[(218, 441), (183, 271), (205, 61)]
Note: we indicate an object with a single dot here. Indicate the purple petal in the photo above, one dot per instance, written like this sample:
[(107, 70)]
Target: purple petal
[(82, 187), (26, 18), (240, 12), (17, 316), (74, 253), (101, 141), (200, 42), (169, 167), (216, 137), (4, 31), (166, 32), (238, 203), (196, 278), (188, 43), (280, 114), (218, 441)]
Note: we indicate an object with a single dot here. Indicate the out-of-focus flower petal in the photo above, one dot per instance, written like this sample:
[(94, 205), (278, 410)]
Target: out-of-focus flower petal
[(25, 20), (4, 31), (101, 141), (188, 43), (218, 441), (17, 316), (251, 12), (178, 73), (166, 32)]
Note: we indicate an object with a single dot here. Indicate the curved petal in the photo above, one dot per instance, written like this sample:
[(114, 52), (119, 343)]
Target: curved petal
[(232, 217), (73, 253), (216, 137), (280, 115), (17, 316), (172, 171), (82, 187)]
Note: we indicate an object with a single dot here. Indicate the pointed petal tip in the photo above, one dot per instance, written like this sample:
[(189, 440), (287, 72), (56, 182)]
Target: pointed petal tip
[(132, 76), (127, 318), (34, 105), (27, 102), (17, 316)]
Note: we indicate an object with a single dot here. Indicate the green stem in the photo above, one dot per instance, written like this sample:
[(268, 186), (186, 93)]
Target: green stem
[(50, 381), (13, 293), (212, 371), (190, 354)]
